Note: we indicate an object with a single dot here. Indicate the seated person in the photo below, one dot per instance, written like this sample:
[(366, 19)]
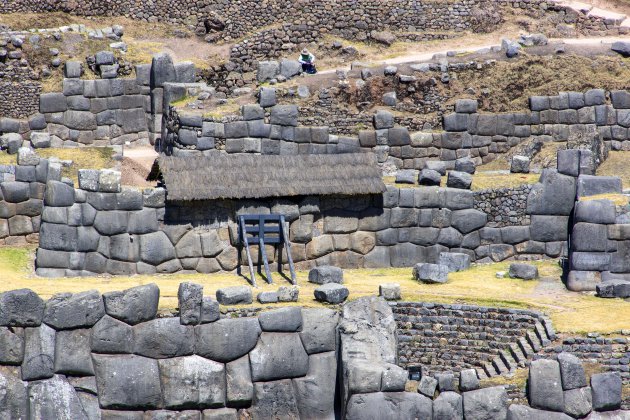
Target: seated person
[(307, 60)]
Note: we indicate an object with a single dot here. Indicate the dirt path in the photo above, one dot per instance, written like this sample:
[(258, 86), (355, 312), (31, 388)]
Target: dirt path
[(136, 165)]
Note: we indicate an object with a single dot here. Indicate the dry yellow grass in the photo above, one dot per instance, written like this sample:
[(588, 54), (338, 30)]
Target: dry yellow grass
[(82, 158), (618, 199), (617, 165), (570, 312)]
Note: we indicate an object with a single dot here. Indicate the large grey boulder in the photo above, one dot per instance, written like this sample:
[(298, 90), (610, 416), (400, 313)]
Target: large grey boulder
[(429, 177), (227, 339), (486, 404), (621, 47), (613, 288), (549, 228), (110, 335), (606, 391), (72, 352), (447, 406), (595, 211), (287, 319), (544, 385), (286, 115), (583, 281), (430, 273), (39, 353), (66, 310), (468, 220), (162, 338), (571, 371), (290, 68), (162, 70), (134, 305), (519, 165), (325, 274), (239, 386), (461, 180), (578, 402), (156, 248), (190, 298), (115, 376), (523, 271), (383, 119), (58, 194), (235, 295), (11, 347), (455, 261), (13, 396), (427, 386), (319, 330), (267, 70), (523, 412), (389, 405), (54, 398), (331, 293), (278, 356), (192, 381), (466, 165), (274, 400), (553, 195), (21, 308), (588, 185), (468, 380), (313, 391)]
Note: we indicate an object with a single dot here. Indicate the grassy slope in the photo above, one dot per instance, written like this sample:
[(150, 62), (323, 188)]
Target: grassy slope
[(570, 312)]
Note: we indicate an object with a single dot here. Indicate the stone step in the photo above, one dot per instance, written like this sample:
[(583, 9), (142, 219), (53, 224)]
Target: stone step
[(533, 341), (507, 360), (481, 373), (541, 334), (551, 332), (499, 366), (525, 347), (489, 370), (517, 355)]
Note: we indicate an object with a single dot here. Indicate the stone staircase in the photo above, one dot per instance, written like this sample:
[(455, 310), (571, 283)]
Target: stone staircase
[(518, 354)]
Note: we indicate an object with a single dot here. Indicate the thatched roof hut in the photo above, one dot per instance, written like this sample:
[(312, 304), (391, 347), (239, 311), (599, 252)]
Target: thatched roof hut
[(240, 176)]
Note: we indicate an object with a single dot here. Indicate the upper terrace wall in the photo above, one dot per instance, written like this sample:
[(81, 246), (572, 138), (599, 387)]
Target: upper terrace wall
[(352, 19)]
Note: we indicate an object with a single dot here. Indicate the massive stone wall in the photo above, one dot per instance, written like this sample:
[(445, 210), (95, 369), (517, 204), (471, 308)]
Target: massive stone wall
[(101, 228), (86, 356)]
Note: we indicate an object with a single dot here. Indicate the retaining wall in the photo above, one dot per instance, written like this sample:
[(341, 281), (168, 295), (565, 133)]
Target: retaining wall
[(87, 356)]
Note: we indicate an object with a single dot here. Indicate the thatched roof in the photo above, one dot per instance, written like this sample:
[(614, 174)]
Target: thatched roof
[(258, 176)]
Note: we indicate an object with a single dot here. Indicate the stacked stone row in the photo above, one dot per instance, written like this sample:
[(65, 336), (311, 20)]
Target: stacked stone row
[(278, 134), (87, 356), (490, 340), (23, 193), (345, 19), (101, 228), (96, 112)]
